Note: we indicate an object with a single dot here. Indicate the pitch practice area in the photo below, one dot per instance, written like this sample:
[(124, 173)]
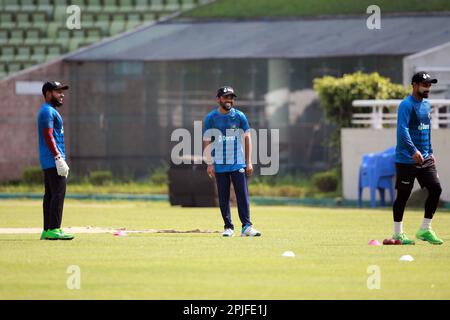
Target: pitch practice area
[(332, 258)]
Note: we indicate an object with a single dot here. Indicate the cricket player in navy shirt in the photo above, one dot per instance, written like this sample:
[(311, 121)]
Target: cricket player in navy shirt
[(223, 131), (414, 159), (52, 157)]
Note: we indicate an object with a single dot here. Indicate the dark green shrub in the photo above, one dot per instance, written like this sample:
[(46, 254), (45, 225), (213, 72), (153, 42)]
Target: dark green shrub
[(100, 178), (326, 181), (159, 176), (33, 175)]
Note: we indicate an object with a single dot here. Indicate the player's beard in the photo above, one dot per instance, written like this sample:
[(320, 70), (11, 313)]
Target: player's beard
[(227, 106), (55, 102), (423, 93)]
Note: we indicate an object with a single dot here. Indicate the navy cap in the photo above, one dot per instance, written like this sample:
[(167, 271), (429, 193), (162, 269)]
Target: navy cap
[(421, 77), (225, 91), (53, 85)]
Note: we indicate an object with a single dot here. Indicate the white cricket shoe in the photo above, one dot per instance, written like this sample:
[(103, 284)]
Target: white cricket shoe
[(228, 233), (249, 231)]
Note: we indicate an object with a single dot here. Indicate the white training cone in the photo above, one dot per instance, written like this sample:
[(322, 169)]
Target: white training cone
[(406, 258), (288, 254)]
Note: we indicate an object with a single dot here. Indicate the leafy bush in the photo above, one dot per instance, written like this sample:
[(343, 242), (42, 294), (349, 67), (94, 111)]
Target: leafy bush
[(326, 181), (263, 189), (33, 175), (289, 191), (158, 176), (282, 179), (337, 94), (100, 178)]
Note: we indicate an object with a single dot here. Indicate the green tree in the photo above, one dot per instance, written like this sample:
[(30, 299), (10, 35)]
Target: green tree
[(337, 94)]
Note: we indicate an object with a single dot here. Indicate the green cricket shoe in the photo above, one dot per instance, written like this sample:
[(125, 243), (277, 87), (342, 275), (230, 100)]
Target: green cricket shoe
[(428, 235), (64, 235), (52, 234), (56, 234), (44, 235), (402, 236)]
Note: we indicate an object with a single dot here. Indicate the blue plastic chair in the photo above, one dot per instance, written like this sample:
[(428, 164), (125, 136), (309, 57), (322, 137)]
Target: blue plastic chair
[(376, 172)]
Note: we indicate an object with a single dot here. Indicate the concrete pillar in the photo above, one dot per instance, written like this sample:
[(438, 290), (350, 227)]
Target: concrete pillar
[(277, 102)]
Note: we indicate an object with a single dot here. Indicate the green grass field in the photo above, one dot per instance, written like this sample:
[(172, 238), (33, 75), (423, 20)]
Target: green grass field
[(294, 8), (332, 255)]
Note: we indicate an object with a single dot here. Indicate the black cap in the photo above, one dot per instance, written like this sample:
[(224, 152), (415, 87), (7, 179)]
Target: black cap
[(422, 77), (225, 91), (53, 85)]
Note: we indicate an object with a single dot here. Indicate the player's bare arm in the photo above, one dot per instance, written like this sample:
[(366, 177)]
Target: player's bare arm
[(207, 152), (248, 153)]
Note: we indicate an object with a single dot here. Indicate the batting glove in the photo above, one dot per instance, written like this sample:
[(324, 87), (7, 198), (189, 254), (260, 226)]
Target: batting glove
[(61, 166)]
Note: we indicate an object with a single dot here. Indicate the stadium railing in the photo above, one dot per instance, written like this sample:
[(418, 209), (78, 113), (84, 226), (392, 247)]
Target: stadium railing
[(384, 113)]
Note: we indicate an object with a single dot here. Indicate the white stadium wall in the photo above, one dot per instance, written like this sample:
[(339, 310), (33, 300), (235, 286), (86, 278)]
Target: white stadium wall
[(356, 142)]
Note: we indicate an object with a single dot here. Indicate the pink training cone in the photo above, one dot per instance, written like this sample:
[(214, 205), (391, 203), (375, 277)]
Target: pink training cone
[(374, 243), (120, 233)]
